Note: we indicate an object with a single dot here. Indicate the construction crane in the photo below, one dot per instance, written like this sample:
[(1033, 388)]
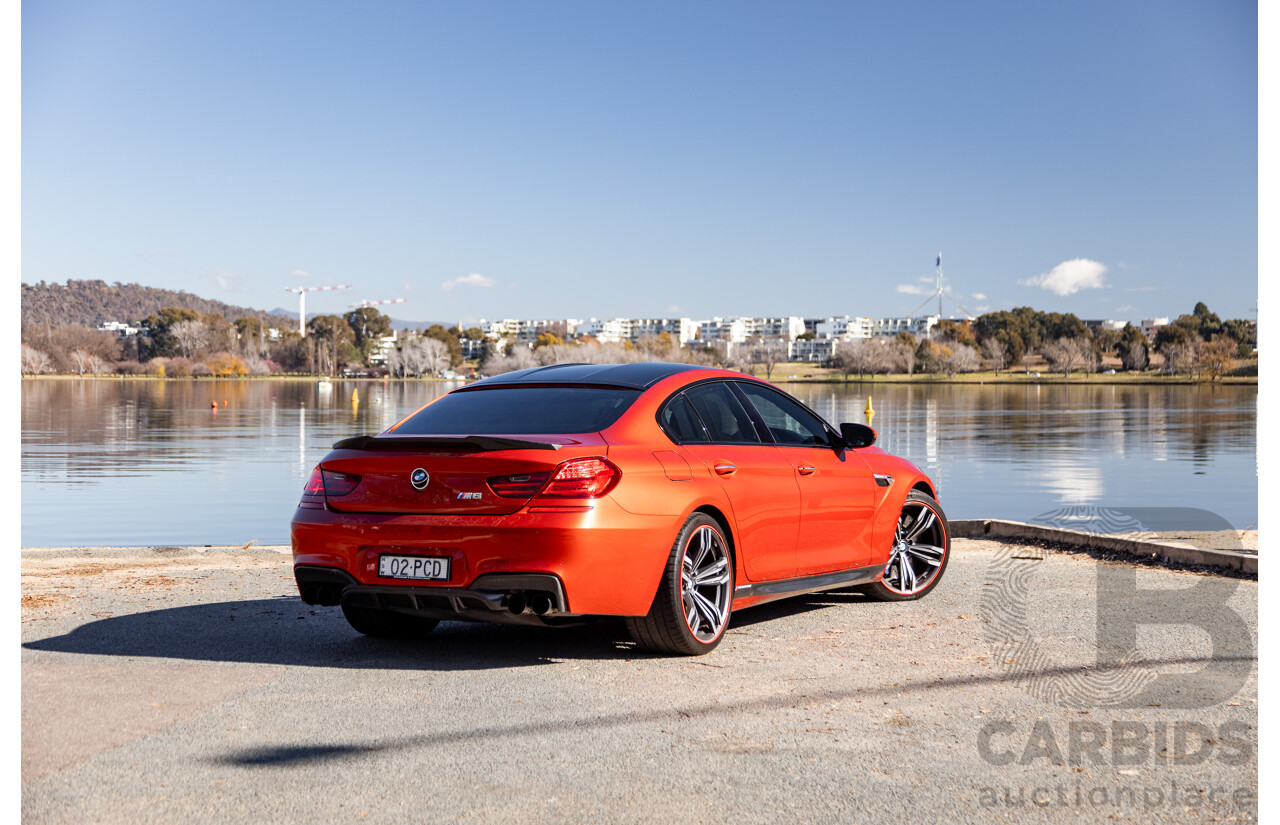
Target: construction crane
[(363, 304), (302, 301)]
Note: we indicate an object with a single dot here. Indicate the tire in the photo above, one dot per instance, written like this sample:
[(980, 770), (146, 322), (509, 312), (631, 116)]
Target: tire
[(690, 620), (387, 624), (926, 552)]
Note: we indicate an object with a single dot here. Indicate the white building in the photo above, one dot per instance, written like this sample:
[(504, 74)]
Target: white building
[(527, 331), (1150, 326), (817, 350), (789, 327), (918, 326), (721, 330), (473, 348), (682, 330), (123, 330), (381, 348), (606, 331), (849, 329)]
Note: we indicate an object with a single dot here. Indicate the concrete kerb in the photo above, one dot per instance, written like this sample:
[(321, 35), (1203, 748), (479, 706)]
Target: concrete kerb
[(169, 551), (1001, 529)]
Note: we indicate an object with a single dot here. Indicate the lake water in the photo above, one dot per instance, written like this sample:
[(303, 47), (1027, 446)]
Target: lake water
[(107, 462)]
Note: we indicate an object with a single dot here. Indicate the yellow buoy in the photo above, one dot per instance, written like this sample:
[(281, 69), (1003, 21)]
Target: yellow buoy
[(870, 410)]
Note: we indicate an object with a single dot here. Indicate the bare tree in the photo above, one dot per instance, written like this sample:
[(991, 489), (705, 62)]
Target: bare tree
[(517, 358), (1215, 358), (1027, 355), (191, 336), (860, 356), (997, 353), (420, 356), (81, 360), (434, 355), (1136, 357), (768, 353), (1179, 357), (1068, 354), (902, 355), (963, 358), (96, 365), (35, 362)]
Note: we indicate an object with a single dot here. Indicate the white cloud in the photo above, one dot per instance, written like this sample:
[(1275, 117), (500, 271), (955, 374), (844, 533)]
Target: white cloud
[(673, 309), (228, 281), (1069, 277), (1125, 308), (978, 296), (299, 273), (910, 289), (474, 279)]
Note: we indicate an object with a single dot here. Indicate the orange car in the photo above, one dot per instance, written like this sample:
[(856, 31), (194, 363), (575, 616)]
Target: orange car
[(667, 494)]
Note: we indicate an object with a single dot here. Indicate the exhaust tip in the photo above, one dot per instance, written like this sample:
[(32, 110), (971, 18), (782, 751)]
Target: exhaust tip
[(327, 596), (541, 604), (516, 603)]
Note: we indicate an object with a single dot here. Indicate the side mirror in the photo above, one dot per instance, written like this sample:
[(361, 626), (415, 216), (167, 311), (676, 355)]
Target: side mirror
[(857, 435)]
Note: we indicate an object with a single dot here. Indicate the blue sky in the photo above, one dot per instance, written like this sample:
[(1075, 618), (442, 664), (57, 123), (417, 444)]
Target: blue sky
[(600, 159)]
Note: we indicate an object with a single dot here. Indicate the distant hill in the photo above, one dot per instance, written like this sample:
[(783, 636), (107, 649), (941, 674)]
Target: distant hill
[(92, 302)]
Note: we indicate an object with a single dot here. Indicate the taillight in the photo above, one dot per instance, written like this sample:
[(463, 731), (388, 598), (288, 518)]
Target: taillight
[(315, 484), (328, 483), (518, 486), (582, 478), (339, 484)]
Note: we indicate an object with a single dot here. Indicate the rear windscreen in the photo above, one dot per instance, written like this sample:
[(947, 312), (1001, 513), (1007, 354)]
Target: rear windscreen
[(521, 411)]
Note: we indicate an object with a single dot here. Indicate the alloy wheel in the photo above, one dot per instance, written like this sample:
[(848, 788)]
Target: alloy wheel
[(705, 584), (919, 548)]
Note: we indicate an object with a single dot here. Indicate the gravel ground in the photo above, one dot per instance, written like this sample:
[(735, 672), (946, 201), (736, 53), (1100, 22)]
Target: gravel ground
[(172, 684)]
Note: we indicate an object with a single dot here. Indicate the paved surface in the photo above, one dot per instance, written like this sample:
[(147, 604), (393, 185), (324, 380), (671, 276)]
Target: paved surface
[(184, 686)]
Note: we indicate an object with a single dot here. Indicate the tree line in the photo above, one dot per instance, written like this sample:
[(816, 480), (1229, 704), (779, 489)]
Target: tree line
[(1197, 343), (181, 341)]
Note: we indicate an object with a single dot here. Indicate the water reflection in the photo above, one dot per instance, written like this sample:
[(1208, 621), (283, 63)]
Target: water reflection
[(119, 462)]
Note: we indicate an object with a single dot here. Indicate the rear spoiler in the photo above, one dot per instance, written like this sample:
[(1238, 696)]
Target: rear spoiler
[(473, 443)]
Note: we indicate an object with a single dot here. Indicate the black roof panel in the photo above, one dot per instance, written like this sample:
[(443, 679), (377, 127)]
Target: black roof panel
[(640, 375)]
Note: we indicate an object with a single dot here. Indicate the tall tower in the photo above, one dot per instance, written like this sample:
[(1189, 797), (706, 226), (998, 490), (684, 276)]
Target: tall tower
[(940, 292)]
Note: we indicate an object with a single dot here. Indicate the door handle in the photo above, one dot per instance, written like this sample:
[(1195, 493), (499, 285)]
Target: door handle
[(724, 468), (807, 469)]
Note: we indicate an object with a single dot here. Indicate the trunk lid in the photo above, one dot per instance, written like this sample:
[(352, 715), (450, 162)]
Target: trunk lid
[(459, 469)]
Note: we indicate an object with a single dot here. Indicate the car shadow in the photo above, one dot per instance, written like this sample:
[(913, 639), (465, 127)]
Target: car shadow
[(284, 631), (795, 606)]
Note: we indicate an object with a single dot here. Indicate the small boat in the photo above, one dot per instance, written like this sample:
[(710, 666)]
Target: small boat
[(324, 384)]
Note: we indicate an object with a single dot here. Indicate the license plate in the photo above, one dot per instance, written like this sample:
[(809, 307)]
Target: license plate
[(413, 567)]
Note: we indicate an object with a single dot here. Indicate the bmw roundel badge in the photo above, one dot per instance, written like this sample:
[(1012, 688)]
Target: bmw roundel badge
[(419, 478)]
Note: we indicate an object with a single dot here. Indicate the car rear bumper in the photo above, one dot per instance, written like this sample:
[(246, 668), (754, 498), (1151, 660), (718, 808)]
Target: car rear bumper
[(606, 561)]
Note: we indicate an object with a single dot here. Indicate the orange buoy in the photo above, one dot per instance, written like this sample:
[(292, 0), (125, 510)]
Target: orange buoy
[(214, 404)]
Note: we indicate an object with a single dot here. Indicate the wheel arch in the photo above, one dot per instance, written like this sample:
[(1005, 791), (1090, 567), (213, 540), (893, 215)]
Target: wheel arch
[(925, 487), (723, 520)]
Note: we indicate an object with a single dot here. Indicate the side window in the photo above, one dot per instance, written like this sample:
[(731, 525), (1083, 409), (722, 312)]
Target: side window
[(789, 422), (680, 422), (723, 414)]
